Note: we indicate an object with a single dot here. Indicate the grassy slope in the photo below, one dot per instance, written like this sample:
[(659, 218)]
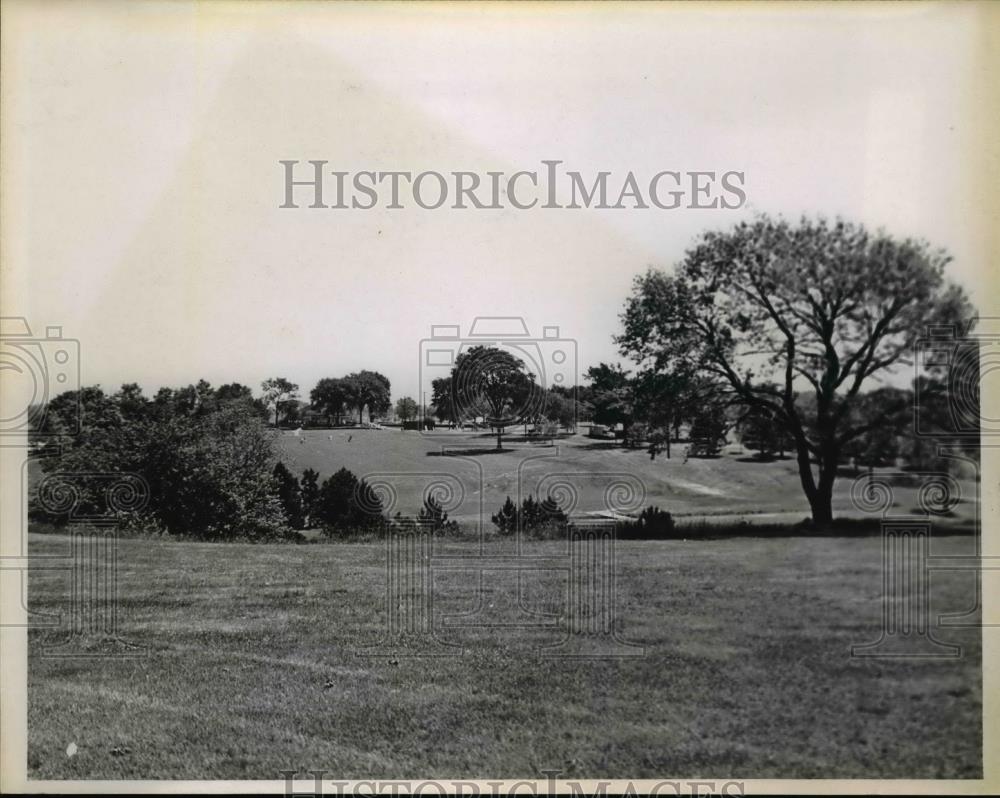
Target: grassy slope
[(746, 674), (729, 484)]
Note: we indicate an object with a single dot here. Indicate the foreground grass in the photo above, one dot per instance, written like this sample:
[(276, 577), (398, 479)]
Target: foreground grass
[(254, 666)]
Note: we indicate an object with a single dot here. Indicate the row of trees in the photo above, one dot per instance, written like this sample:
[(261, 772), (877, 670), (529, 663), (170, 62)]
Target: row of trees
[(332, 397), (204, 453)]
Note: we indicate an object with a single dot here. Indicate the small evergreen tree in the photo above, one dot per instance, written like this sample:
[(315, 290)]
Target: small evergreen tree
[(347, 505), (506, 519), (290, 495), (434, 516), (309, 490)]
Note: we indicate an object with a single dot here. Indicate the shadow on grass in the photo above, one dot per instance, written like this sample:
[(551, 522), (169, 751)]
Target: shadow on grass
[(484, 451), (695, 531), (839, 528)]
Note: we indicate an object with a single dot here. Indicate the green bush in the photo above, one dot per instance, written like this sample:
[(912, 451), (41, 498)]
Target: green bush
[(652, 524), (347, 505)]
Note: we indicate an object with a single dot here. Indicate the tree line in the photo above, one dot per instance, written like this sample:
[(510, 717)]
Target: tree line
[(775, 328)]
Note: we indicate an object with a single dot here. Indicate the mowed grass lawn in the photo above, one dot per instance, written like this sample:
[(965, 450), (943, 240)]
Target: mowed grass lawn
[(255, 666)]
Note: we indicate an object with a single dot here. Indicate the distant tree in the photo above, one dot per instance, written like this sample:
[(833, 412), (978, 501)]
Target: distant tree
[(612, 395), (330, 397), (443, 401), (708, 431), (294, 412), (813, 306), (760, 430), (664, 399), (880, 444), (368, 389), (406, 408), (276, 391), (235, 392), (493, 383), (561, 410)]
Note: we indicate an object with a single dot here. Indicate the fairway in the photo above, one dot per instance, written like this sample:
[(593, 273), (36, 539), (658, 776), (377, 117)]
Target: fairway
[(255, 663), (733, 485)]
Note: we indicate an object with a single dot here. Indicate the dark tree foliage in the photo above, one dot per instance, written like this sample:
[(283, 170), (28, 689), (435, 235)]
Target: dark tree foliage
[(207, 462), (434, 516), (309, 490), (493, 383), (368, 389), (331, 397), (290, 495), (347, 505), (506, 518), (277, 392), (652, 524), (535, 518)]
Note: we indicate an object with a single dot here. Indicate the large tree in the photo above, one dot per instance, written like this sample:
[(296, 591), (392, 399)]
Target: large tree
[(776, 309), (495, 384), (330, 396), (406, 408), (612, 394), (443, 401), (368, 389)]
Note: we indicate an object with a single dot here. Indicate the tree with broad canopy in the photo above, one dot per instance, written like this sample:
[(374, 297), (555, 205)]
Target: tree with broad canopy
[(775, 309)]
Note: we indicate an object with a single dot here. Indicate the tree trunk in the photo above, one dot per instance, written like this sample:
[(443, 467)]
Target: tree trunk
[(499, 433), (822, 503), (819, 491)]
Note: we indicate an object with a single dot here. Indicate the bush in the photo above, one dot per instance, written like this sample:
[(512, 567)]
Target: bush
[(309, 490), (506, 518), (533, 518), (290, 495), (652, 524), (207, 462), (347, 505), (434, 516)]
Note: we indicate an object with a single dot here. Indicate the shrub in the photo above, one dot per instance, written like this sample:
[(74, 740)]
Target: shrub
[(347, 505), (290, 495), (309, 490), (506, 519), (652, 524), (433, 515), (534, 518)]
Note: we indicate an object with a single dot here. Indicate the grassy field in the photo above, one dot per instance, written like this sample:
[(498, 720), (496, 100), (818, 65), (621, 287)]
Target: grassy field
[(732, 486), (255, 664)]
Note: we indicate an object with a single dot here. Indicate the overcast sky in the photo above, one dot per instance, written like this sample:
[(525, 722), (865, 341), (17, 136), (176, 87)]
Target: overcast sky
[(148, 137)]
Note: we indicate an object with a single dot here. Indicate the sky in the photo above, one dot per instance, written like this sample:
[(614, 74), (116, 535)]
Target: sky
[(146, 181)]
